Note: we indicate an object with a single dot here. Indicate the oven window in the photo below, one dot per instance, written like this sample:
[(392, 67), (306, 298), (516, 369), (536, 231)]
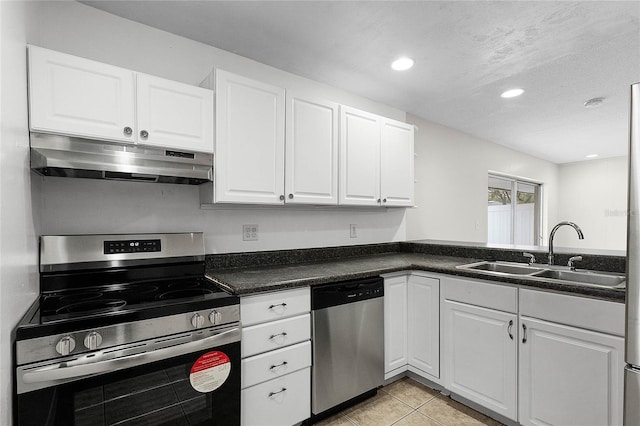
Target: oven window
[(154, 394)]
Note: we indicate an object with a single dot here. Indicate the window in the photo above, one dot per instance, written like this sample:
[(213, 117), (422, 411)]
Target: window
[(513, 219)]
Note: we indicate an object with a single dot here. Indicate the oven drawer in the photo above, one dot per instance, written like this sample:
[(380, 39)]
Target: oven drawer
[(278, 363), (274, 306), (278, 402), (275, 334)]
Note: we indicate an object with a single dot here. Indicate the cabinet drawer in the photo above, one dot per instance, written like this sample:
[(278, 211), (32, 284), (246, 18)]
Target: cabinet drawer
[(480, 293), (592, 314), (282, 401), (273, 306), (273, 364), (276, 334)]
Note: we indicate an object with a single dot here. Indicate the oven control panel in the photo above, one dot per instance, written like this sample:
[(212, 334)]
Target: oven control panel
[(76, 342), (132, 246)]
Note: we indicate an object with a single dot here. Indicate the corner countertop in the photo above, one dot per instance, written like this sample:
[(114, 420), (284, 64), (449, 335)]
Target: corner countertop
[(250, 280)]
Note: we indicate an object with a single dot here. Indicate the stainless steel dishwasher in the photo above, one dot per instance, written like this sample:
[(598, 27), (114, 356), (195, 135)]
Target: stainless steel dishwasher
[(348, 343)]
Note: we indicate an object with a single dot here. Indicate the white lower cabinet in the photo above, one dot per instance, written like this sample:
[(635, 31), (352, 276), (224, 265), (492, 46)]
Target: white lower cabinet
[(570, 375), (278, 402), (275, 334), (423, 325), (480, 356), (276, 358), (395, 325), (535, 357), (412, 325), (274, 364)]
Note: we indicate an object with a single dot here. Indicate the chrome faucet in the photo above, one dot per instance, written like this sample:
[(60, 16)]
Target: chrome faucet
[(553, 233)]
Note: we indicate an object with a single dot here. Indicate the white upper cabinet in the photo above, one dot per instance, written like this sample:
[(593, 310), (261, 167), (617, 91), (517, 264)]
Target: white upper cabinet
[(78, 97), (359, 157), (376, 155), (258, 160), (174, 115), (311, 174), (249, 144), (396, 164), (75, 96)]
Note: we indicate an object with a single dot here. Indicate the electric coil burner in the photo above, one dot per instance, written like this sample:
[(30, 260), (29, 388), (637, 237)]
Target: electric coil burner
[(127, 330)]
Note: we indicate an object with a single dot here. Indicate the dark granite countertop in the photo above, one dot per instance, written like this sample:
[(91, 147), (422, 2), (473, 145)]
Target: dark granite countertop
[(254, 279)]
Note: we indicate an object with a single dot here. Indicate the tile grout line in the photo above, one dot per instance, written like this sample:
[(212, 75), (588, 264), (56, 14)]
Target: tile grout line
[(426, 415), (413, 410), (404, 417)]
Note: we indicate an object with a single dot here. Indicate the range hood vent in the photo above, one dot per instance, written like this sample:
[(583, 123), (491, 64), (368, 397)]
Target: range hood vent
[(63, 156)]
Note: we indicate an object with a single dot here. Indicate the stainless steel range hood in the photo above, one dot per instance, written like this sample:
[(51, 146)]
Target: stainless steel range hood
[(53, 155)]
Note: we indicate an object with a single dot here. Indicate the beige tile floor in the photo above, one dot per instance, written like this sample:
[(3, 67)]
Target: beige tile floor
[(409, 403)]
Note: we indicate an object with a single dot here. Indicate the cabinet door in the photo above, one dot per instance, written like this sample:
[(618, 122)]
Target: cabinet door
[(480, 352), (395, 325), (77, 97), (569, 376), (424, 324), (359, 157), (249, 145), (311, 150), (396, 159), (174, 115)]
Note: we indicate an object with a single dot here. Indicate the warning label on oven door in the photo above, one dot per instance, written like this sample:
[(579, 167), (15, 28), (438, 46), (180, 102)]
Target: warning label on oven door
[(210, 371)]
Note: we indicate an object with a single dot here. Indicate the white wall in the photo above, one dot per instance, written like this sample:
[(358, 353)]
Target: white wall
[(594, 196), (451, 182), (18, 215), (72, 206)]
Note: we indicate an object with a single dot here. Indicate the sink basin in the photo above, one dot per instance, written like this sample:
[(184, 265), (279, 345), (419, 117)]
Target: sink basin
[(548, 273), (510, 268), (593, 278)]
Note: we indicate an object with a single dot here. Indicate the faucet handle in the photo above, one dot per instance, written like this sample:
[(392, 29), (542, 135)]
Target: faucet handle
[(532, 258), (571, 261)]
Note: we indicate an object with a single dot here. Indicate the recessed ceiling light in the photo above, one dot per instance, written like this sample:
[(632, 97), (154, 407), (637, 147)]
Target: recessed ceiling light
[(512, 93), (402, 64), (591, 156), (594, 102)]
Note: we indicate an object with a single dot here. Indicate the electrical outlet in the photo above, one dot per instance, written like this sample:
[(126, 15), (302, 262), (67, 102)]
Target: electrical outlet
[(352, 231), (250, 232)]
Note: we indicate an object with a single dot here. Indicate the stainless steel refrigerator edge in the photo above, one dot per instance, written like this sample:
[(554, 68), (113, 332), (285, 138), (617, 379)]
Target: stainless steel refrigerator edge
[(632, 341)]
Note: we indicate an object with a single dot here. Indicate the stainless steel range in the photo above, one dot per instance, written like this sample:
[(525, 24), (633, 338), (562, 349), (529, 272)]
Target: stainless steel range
[(127, 330)]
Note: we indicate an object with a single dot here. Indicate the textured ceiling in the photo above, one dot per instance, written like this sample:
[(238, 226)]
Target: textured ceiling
[(467, 53)]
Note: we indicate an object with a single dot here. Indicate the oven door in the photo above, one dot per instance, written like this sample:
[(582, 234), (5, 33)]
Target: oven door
[(193, 382)]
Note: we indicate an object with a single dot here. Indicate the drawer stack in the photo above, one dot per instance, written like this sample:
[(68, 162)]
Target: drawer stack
[(276, 357)]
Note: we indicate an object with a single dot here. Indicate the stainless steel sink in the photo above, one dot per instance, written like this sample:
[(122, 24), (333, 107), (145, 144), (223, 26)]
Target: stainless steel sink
[(509, 268), (603, 279), (559, 274)]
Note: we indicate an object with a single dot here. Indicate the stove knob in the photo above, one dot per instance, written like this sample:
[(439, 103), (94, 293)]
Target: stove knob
[(197, 320), (92, 340), (215, 317), (66, 345)]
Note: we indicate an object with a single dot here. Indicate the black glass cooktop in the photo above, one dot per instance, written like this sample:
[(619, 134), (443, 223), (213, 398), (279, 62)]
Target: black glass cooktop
[(70, 302), (59, 305)]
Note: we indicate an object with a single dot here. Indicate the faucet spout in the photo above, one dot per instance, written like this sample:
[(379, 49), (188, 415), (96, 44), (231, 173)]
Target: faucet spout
[(553, 233)]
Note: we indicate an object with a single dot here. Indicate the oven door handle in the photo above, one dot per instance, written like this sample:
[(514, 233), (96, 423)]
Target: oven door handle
[(64, 371)]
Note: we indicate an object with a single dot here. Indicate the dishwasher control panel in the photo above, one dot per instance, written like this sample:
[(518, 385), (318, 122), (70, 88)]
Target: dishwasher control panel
[(340, 293)]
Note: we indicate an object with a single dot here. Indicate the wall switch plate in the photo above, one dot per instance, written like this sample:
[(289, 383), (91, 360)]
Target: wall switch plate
[(352, 231), (250, 232)]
